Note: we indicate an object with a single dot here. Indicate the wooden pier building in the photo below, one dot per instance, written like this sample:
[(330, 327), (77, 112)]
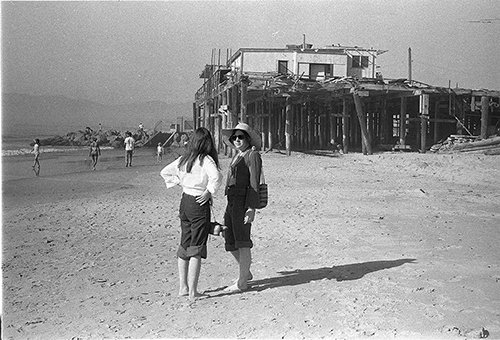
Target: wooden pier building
[(304, 98)]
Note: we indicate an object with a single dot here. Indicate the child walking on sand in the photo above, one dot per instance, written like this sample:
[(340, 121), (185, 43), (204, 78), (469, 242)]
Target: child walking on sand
[(198, 173), (159, 153), (36, 151)]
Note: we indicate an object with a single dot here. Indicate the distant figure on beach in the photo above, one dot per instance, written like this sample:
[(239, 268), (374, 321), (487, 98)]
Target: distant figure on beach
[(336, 147), (177, 138), (142, 133), (36, 151), (94, 152), (129, 148), (242, 191), (184, 139), (159, 153), (198, 173)]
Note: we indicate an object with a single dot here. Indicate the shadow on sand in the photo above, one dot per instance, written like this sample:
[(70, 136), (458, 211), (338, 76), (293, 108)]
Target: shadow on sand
[(296, 277)]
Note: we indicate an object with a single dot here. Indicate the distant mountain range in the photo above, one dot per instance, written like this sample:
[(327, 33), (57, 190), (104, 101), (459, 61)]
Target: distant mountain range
[(62, 114)]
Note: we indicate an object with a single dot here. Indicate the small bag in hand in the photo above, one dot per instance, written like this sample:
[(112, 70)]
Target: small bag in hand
[(263, 194)]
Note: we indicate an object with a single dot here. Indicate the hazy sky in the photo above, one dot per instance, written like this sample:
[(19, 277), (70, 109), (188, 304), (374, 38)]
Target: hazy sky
[(114, 52)]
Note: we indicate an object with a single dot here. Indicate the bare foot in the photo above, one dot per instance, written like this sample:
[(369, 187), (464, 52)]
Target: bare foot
[(235, 288), (183, 292), (197, 296), (249, 278)]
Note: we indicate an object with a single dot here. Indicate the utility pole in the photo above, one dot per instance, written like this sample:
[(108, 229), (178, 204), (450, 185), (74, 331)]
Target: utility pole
[(409, 64)]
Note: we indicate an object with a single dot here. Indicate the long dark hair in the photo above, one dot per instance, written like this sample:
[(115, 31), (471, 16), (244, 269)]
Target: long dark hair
[(199, 146)]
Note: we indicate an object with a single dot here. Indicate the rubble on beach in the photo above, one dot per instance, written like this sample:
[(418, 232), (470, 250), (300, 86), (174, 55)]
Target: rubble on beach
[(113, 138), (462, 143)]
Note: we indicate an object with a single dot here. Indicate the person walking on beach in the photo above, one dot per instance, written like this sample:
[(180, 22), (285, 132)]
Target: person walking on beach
[(198, 173), (159, 153), (94, 152), (36, 151), (242, 191), (129, 148)]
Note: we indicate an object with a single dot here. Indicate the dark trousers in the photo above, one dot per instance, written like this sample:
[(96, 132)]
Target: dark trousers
[(129, 157), (195, 225)]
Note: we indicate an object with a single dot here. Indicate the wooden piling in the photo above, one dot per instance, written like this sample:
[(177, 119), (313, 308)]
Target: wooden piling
[(195, 116), (345, 125), (288, 118), (271, 127), (262, 124), (436, 123), (243, 104), (309, 125), (225, 117), (365, 135), (402, 121), (485, 108), (424, 117)]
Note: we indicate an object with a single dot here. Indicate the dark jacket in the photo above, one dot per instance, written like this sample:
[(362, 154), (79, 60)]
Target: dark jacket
[(243, 178)]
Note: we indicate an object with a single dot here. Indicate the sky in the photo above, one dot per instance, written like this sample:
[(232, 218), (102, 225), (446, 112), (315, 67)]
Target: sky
[(121, 52)]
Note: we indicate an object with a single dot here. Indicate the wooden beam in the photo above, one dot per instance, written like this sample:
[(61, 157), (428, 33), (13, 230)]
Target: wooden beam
[(262, 125), (384, 127), (224, 119), (485, 107), (243, 103), (288, 132), (402, 121), (270, 124), (195, 116), (424, 116), (345, 125), (217, 123), (309, 125), (365, 135), (436, 122)]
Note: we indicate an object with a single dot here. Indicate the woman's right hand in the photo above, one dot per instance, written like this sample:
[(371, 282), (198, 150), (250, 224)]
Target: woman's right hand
[(204, 197)]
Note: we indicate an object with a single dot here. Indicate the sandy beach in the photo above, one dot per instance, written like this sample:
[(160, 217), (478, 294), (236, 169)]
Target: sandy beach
[(393, 245)]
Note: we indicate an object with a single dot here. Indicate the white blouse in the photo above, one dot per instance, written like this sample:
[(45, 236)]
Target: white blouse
[(201, 178)]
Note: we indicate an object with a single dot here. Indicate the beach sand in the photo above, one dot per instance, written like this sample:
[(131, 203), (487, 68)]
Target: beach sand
[(393, 245)]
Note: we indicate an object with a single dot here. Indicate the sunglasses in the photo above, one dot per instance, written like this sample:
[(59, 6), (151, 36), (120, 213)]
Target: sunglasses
[(234, 137)]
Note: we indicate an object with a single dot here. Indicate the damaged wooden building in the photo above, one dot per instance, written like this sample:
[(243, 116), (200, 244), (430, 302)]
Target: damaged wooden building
[(305, 98)]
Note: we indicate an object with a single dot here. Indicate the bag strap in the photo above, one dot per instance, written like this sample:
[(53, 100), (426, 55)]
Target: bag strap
[(262, 178)]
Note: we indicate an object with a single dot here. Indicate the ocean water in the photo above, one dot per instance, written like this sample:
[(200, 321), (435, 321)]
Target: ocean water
[(16, 138), (14, 146)]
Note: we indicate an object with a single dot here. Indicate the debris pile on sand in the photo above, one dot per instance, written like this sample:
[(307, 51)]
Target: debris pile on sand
[(84, 137), (461, 143)]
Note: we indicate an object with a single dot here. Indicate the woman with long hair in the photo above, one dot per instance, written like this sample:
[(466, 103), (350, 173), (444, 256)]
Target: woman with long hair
[(198, 173)]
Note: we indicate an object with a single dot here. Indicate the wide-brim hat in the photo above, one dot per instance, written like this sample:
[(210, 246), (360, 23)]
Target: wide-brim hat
[(254, 136)]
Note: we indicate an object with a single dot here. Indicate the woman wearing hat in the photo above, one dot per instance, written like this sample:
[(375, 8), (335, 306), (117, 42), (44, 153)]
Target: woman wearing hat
[(242, 191)]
